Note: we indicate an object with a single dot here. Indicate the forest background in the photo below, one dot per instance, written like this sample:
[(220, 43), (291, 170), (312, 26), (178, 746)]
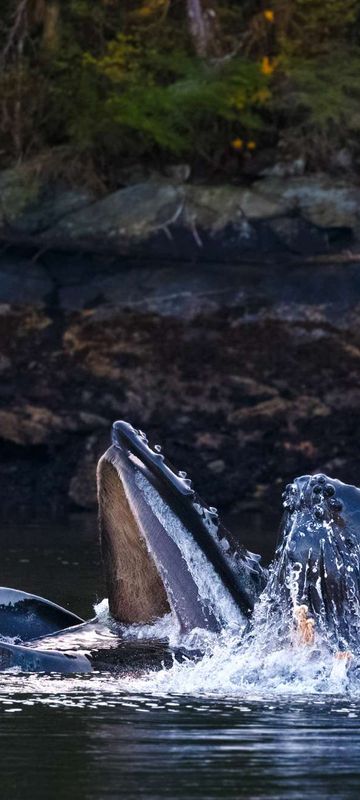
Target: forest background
[(88, 87)]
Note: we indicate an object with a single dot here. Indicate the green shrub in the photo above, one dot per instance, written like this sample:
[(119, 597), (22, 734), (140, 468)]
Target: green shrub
[(113, 81), (170, 101)]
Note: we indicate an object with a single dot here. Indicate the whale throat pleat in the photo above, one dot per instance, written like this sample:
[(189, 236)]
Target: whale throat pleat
[(135, 590)]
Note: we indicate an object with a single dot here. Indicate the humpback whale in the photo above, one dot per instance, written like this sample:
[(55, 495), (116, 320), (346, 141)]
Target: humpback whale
[(317, 563), (164, 549)]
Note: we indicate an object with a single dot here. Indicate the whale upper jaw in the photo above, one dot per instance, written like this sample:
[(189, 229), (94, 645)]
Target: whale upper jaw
[(318, 559), (163, 547)]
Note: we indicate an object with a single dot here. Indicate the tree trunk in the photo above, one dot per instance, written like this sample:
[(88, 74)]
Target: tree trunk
[(51, 25), (200, 26)]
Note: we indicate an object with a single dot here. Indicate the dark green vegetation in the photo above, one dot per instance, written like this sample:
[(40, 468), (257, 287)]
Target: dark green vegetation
[(88, 86)]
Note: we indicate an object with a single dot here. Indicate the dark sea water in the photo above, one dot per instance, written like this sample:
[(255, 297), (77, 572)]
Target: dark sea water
[(94, 737)]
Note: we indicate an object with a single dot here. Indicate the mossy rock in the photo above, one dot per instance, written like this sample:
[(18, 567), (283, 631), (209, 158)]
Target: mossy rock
[(29, 203), (18, 189)]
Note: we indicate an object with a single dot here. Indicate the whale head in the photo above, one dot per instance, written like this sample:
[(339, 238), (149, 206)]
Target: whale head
[(163, 547), (317, 563)]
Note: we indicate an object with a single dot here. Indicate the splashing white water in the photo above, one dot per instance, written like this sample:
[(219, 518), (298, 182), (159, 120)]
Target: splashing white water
[(261, 663), (260, 667)]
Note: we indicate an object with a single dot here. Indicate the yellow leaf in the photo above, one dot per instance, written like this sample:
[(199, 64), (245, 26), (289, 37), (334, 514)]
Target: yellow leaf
[(262, 96), (151, 7), (237, 144), (269, 15), (267, 66)]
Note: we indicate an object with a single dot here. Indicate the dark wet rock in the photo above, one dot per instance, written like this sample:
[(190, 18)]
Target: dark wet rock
[(217, 467), (5, 364), (30, 204), (131, 213), (22, 281), (178, 173), (82, 486), (167, 220), (169, 291), (246, 374), (167, 217), (342, 161), (319, 199), (285, 169), (294, 292), (53, 203), (298, 236), (214, 207), (30, 424)]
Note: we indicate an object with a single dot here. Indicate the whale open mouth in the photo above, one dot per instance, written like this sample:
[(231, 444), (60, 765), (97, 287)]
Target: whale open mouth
[(163, 548), (318, 560)]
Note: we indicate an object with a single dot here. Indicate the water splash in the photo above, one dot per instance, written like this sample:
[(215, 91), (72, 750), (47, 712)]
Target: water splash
[(259, 666)]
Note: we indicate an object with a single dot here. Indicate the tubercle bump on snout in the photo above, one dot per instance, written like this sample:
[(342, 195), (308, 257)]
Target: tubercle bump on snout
[(317, 496), (134, 441)]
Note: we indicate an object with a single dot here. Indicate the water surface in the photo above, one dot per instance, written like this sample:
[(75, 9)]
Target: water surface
[(210, 730)]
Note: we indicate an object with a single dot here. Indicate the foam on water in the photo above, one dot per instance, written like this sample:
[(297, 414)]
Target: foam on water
[(261, 663), (260, 666)]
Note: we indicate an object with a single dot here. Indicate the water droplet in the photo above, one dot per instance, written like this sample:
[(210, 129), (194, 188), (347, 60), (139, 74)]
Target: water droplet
[(157, 448), (182, 474), (319, 512), (336, 504)]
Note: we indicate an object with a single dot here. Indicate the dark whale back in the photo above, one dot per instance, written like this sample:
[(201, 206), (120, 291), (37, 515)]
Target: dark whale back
[(26, 617), (28, 659)]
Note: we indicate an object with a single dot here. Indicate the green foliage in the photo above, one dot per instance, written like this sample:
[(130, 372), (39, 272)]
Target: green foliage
[(321, 99), (168, 100), (327, 94), (312, 27), (123, 80)]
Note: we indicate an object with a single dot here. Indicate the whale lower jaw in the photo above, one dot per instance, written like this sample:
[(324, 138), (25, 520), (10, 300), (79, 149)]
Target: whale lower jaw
[(136, 592)]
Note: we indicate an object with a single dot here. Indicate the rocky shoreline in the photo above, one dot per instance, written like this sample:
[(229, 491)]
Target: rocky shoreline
[(224, 320), (247, 374), (165, 218)]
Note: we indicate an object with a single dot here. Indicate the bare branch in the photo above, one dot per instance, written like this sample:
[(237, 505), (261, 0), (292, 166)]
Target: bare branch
[(17, 29)]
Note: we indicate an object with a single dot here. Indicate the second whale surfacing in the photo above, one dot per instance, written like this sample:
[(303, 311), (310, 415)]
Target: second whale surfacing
[(317, 563), (164, 550)]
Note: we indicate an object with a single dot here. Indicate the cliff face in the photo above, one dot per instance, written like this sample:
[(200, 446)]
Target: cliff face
[(246, 375)]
